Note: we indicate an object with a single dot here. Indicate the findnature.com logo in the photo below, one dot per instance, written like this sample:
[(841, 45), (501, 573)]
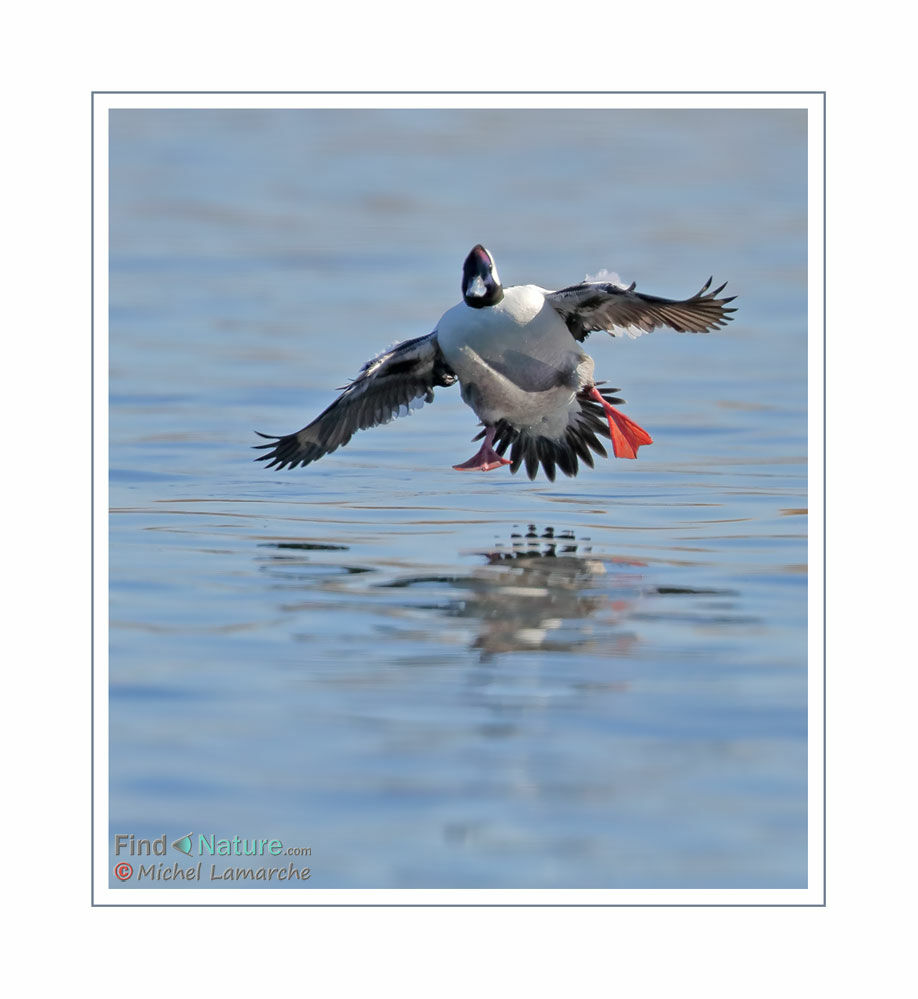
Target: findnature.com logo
[(206, 845)]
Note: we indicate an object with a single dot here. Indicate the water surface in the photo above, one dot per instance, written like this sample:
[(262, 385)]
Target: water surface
[(457, 680)]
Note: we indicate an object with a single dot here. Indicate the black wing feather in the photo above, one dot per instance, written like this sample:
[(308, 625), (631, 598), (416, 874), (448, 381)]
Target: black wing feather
[(592, 306), (384, 387)]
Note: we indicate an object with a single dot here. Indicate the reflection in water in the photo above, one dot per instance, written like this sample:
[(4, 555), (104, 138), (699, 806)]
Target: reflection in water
[(543, 590), (541, 593)]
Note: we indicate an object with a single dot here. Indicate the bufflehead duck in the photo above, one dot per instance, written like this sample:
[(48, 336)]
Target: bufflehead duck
[(516, 353)]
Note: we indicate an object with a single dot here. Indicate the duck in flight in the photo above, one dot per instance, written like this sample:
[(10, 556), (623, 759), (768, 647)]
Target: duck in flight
[(518, 358)]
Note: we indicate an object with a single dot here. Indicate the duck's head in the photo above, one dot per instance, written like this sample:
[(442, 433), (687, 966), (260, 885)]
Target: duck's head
[(480, 281)]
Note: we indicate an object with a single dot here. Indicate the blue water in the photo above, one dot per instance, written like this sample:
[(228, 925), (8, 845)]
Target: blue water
[(436, 679)]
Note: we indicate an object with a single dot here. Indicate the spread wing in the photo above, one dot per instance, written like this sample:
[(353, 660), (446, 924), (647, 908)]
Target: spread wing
[(592, 306), (384, 388)]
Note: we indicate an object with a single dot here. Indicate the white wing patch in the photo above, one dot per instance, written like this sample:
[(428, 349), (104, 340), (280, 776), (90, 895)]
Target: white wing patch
[(605, 277)]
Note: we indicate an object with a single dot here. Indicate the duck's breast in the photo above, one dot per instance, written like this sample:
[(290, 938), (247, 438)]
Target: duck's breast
[(516, 360)]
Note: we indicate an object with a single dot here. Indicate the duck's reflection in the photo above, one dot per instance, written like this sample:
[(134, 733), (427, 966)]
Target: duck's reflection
[(540, 590), (547, 592)]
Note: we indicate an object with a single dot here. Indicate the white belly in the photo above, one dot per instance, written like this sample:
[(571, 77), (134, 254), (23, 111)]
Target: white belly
[(516, 360)]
